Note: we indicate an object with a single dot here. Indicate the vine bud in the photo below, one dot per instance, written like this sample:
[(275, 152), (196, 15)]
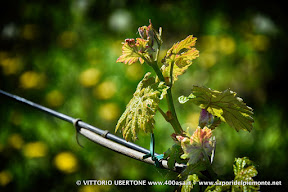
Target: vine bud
[(131, 42), (150, 35), (142, 32), (147, 33), (205, 118)]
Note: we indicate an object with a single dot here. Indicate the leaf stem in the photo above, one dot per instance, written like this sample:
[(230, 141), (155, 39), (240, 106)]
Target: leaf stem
[(171, 74), (174, 120), (157, 71), (209, 167), (163, 114)]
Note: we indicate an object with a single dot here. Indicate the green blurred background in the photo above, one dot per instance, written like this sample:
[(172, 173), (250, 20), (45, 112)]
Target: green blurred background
[(62, 54)]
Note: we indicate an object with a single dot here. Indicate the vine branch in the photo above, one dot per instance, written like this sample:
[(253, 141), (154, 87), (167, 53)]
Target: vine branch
[(174, 121)]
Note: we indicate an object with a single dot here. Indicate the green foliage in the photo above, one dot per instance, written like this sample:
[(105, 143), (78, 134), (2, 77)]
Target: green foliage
[(217, 106), (244, 170), (140, 111), (179, 57), (192, 169), (225, 105), (218, 188), (130, 54), (192, 181), (173, 155)]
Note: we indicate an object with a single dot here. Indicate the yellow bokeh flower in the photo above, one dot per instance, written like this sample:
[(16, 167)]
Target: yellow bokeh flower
[(11, 65), (227, 45), (94, 188), (35, 149), (105, 90), (54, 98), (16, 141), (90, 188), (31, 79), (207, 59), (66, 162), (134, 72), (5, 178), (109, 111), (209, 43), (89, 77)]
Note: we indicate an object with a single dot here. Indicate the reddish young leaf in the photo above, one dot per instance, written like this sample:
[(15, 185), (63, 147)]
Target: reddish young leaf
[(133, 51), (198, 144)]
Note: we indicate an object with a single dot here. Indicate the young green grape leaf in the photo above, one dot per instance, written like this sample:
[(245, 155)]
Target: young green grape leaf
[(218, 188), (244, 170), (196, 168), (190, 183), (197, 146), (173, 155), (225, 105), (133, 51), (182, 99), (140, 111), (179, 57)]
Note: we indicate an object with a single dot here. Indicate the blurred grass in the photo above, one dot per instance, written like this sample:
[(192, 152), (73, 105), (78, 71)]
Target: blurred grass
[(62, 55)]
